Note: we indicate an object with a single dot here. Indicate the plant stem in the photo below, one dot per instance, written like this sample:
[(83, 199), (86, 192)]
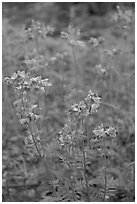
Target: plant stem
[(105, 166), (74, 156), (37, 44), (75, 69), (46, 115), (84, 168), (110, 88), (73, 152), (71, 183), (87, 132), (85, 176), (34, 140), (30, 129)]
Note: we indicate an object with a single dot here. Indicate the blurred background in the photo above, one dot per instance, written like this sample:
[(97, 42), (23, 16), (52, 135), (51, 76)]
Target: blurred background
[(23, 176)]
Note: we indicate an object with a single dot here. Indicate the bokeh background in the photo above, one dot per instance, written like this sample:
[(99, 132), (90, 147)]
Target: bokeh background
[(23, 175)]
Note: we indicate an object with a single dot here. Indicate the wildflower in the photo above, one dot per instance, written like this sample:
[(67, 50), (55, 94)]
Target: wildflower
[(120, 15), (60, 138), (103, 131), (35, 62), (96, 99), (80, 43), (65, 135), (100, 131), (87, 106), (40, 84), (73, 31), (75, 108), (111, 131), (92, 101), (72, 36), (101, 40), (96, 41), (82, 106), (94, 108), (7, 80), (38, 29), (14, 76), (100, 69), (24, 121), (64, 35), (29, 141), (38, 79), (26, 86)]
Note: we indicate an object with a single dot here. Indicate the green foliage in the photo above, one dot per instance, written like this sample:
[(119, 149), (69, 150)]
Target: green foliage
[(73, 137)]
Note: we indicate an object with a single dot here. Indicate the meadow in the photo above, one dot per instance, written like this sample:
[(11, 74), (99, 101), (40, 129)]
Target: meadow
[(68, 102)]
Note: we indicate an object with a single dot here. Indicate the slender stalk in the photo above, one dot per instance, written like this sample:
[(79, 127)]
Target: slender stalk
[(35, 142), (40, 108), (70, 179), (74, 156), (87, 131), (25, 166), (105, 166), (30, 129), (71, 183), (110, 87), (84, 168), (36, 146), (46, 115), (85, 176), (73, 152), (75, 69), (37, 44)]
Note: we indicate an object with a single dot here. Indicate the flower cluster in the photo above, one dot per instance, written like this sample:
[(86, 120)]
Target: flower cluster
[(23, 82), (88, 106), (26, 106), (40, 84), (38, 29), (120, 15), (69, 135), (26, 111), (35, 62), (29, 115), (72, 36), (103, 131), (100, 69), (95, 42), (92, 101), (19, 80)]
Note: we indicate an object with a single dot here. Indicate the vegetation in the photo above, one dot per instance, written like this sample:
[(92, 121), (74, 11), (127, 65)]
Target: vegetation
[(68, 107)]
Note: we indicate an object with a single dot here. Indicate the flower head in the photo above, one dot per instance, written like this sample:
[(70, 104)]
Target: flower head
[(38, 29), (72, 36), (103, 131)]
